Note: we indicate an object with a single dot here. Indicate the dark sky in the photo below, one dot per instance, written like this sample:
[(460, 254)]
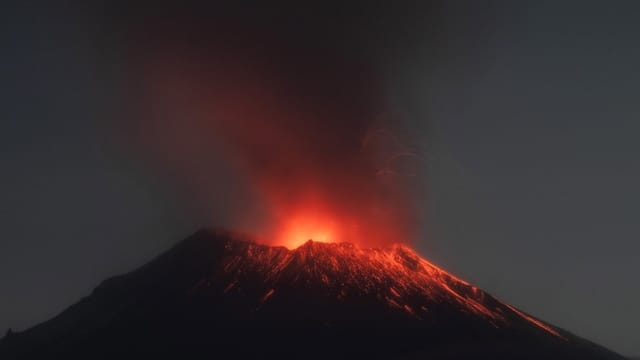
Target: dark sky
[(526, 115)]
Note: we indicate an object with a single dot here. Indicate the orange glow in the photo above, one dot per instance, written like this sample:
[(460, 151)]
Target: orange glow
[(302, 228)]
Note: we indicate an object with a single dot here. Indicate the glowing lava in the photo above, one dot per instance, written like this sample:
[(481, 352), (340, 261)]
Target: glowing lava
[(396, 276), (300, 229)]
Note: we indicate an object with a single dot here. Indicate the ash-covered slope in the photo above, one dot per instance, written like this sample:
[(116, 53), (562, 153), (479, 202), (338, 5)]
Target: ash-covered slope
[(217, 296)]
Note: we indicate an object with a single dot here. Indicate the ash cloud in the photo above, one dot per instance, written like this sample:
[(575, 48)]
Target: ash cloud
[(291, 100)]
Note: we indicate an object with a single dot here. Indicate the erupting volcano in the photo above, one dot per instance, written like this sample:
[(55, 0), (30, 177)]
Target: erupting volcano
[(221, 295), (277, 120)]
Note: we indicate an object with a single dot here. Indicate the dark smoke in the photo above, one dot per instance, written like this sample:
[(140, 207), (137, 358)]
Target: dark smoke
[(291, 98)]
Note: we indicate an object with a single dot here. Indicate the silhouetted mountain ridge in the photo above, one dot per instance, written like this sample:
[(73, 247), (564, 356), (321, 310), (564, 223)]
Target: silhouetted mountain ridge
[(218, 294)]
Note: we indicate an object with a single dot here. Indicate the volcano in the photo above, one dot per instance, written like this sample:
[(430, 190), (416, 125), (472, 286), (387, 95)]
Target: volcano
[(218, 294)]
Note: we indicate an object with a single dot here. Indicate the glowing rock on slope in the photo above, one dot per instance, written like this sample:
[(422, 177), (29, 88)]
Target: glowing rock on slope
[(396, 275)]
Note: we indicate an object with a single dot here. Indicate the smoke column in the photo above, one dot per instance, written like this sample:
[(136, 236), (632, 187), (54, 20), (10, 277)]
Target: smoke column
[(290, 100)]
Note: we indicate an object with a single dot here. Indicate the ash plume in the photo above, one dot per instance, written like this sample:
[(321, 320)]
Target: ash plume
[(291, 102)]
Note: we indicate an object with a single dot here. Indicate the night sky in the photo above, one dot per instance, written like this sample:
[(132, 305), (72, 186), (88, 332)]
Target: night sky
[(524, 116)]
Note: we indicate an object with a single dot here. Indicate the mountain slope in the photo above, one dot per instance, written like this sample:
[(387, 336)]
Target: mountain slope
[(217, 295)]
